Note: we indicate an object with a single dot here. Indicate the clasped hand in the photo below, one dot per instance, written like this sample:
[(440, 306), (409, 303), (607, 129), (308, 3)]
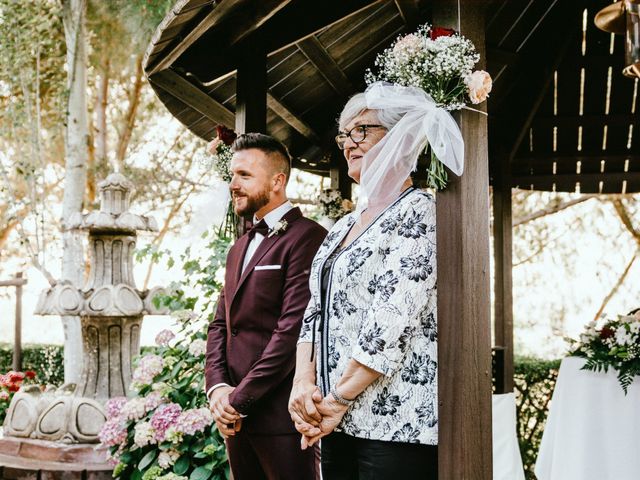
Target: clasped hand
[(313, 416), (227, 418)]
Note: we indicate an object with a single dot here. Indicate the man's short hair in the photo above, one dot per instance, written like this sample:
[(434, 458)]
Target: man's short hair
[(275, 150)]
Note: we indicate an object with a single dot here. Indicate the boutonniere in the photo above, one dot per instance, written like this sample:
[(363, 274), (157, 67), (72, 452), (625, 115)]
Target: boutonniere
[(280, 226)]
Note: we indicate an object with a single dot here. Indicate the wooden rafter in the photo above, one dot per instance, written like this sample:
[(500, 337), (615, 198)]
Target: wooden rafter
[(265, 10), (572, 177), (409, 12), (574, 121), (320, 58), (172, 53), (292, 119), (547, 161), (191, 95), (543, 88)]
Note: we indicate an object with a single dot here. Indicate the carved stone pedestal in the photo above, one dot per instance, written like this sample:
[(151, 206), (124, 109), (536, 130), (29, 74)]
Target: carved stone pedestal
[(111, 310), (22, 459)]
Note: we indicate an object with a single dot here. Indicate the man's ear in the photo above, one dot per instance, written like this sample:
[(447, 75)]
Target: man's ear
[(279, 182)]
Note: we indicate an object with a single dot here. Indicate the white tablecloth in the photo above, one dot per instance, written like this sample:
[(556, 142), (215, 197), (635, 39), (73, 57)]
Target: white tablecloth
[(507, 463), (593, 429)]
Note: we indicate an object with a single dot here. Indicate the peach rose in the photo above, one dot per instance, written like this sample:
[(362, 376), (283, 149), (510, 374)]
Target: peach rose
[(212, 148), (479, 85), (409, 44), (347, 205)]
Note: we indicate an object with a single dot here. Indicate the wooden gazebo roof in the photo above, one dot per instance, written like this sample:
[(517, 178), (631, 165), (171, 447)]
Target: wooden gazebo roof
[(562, 116)]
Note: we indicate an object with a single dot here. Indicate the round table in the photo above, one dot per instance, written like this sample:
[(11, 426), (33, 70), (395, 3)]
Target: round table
[(593, 429)]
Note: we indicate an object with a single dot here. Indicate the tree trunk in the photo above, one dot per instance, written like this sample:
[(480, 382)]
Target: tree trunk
[(76, 156)]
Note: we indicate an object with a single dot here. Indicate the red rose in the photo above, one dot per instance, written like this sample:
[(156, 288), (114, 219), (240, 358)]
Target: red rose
[(13, 387), (30, 374), (441, 32), (16, 376), (225, 134), (606, 332)]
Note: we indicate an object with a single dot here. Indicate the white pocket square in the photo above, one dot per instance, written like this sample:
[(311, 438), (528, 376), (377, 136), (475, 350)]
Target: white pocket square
[(267, 267)]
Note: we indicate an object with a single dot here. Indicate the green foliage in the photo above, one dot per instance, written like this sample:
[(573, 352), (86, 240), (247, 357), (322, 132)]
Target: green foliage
[(534, 380), (615, 345), (45, 360), (172, 378)]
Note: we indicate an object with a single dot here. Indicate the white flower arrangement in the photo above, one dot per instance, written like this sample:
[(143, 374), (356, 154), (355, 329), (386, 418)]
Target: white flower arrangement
[(616, 344), (333, 205), (280, 226), (441, 62)]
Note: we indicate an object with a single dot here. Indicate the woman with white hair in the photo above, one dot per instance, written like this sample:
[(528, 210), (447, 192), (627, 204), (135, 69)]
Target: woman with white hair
[(366, 371)]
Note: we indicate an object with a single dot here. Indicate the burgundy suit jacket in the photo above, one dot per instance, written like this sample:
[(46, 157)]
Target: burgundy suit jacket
[(252, 339)]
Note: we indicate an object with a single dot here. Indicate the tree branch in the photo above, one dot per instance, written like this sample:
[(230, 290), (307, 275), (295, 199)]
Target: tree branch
[(622, 212), (130, 117), (551, 210), (616, 286)]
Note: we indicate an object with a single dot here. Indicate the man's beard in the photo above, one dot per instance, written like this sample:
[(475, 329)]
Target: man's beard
[(252, 204)]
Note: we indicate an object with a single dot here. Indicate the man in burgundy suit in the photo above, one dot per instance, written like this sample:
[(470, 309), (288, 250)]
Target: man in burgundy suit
[(252, 340)]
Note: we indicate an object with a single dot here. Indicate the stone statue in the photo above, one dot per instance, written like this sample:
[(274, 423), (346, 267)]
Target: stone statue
[(111, 310)]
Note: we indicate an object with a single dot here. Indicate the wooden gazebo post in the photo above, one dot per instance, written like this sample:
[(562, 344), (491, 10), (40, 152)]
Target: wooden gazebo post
[(503, 284), (251, 91), (464, 332), (18, 281)]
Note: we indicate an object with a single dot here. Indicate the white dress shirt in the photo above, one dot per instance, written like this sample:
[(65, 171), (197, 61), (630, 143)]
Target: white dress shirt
[(270, 219)]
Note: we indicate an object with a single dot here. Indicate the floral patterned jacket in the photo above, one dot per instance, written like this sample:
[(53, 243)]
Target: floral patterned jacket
[(381, 311)]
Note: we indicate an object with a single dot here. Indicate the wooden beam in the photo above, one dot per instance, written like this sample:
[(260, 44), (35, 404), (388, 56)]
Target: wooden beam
[(409, 12), (191, 95), (541, 161), (168, 57), (503, 282), (543, 88), (253, 20), (574, 121), (14, 282), (464, 319), (251, 91), (292, 119), (318, 56), (572, 177)]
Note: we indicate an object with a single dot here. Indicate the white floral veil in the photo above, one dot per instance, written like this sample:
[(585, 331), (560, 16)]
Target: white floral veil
[(388, 164)]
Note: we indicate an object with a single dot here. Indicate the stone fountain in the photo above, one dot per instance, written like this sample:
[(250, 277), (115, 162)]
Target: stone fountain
[(111, 310)]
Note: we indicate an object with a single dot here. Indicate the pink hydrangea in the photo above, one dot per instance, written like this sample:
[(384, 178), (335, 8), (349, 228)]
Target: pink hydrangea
[(114, 406), (191, 421), (164, 337), (113, 432), (149, 367), (198, 347), (134, 409), (144, 434), (164, 417), (168, 458), (153, 401)]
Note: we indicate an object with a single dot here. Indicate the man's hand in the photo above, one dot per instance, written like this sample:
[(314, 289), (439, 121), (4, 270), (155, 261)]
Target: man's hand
[(224, 414), (229, 430), (302, 403), (332, 413)]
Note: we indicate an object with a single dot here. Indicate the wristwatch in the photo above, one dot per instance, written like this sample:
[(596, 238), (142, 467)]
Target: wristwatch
[(340, 399)]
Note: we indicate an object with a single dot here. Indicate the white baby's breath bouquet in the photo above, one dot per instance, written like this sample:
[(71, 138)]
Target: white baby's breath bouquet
[(441, 62), (333, 205)]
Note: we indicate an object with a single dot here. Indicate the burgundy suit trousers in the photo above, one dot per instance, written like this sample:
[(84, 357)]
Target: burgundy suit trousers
[(272, 457)]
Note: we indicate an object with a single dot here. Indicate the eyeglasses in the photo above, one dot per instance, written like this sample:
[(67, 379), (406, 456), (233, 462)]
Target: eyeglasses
[(357, 135)]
